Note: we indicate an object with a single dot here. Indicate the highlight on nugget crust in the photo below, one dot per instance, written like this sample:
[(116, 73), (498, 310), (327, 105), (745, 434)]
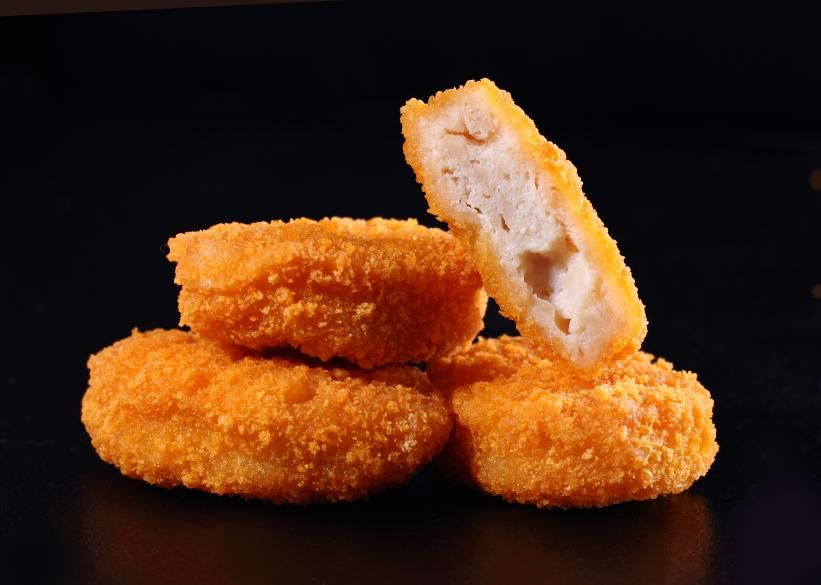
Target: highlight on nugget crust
[(533, 430), (517, 203), (374, 292), (173, 408)]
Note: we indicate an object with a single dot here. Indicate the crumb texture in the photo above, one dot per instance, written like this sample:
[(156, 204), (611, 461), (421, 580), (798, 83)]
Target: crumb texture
[(374, 292), (534, 431), (172, 408), (516, 202)]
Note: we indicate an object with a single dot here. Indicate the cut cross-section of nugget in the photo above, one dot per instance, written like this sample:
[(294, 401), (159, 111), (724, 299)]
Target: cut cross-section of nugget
[(517, 202), (174, 408), (533, 430), (374, 292)]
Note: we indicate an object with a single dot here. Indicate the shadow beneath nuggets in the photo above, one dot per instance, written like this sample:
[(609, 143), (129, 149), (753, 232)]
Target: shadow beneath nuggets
[(669, 540), (427, 531)]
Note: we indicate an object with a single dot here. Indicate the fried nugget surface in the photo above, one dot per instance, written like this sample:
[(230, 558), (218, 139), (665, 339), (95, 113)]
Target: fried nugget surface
[(173, 408), (534, 431), (517, 204), (374, 292)]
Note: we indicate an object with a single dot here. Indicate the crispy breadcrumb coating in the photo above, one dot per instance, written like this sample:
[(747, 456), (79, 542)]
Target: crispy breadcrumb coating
[(173, 408), (517, 204), (374, 292), (534, 431)]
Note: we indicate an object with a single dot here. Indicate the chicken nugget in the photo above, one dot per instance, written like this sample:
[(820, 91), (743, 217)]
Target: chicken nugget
[(373, 292), (516, 202), (535, 431), (173, 408)]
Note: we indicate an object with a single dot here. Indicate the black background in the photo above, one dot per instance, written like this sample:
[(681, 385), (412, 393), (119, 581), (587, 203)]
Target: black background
[(696, 133)]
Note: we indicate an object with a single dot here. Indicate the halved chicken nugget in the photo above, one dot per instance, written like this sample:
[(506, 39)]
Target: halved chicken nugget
[(174, 408), (532, 430), (374, 292), (516, 201)]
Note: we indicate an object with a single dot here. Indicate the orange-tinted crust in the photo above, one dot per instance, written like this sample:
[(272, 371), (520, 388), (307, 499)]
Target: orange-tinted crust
[(374, 292), (598, 243), (173, 408), (533, 431)]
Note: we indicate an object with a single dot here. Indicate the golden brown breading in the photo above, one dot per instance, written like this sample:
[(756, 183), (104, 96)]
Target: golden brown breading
[(173, 408), (534, 431), (374, 292), (517, 204)]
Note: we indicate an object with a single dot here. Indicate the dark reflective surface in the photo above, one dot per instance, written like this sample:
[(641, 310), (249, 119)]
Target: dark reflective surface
[(118, 131), (160, 537)]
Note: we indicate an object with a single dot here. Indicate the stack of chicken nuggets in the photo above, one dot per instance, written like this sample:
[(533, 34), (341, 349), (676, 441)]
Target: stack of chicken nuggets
[(299, 379)]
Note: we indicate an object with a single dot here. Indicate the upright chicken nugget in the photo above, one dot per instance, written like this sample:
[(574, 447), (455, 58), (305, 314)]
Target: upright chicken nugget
[(374, 292), (535, 431), (173, 409), (516, 201)]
